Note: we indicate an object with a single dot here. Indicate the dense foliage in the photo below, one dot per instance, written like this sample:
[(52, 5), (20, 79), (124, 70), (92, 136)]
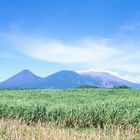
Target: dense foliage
[(73, 108)]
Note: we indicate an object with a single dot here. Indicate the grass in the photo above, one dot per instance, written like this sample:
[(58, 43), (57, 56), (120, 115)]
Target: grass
[(17, 130), (97, 114), (73, 108)]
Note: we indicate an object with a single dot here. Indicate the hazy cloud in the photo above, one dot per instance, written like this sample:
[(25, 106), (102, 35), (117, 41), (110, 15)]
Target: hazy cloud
[(105, 54)]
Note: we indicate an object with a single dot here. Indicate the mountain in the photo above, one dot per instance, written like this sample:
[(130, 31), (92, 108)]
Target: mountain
[(107, 80), (65, 79), (24, 79)]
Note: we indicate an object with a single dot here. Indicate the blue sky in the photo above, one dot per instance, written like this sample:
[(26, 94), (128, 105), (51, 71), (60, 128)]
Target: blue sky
[(46, 36)]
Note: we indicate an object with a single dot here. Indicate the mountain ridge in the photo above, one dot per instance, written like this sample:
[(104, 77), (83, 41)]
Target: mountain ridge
[(106, 79), (25, 77), (65, 79)]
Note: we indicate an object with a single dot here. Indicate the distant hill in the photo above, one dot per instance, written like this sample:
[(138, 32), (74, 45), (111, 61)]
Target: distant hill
[(87, 86), (65, 79), (107, 80), (24, 79)]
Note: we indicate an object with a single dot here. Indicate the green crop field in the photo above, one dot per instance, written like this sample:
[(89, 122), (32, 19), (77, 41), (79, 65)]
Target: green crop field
[(73, 108)]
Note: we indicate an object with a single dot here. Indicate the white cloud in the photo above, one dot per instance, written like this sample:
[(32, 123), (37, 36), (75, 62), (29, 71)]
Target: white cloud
[(87, 51), (68, 54)]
